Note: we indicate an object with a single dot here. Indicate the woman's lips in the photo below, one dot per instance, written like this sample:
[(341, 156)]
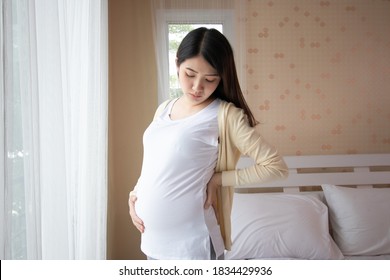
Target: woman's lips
[(195, 95)]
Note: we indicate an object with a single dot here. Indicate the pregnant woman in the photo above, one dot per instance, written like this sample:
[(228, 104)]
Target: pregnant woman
[(182, 201)]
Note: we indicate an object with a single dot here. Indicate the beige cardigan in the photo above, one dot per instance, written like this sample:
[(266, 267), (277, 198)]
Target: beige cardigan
[(236, 138)]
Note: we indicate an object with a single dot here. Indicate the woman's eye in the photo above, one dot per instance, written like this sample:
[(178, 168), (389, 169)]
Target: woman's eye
[(190, 75), (210, 81)]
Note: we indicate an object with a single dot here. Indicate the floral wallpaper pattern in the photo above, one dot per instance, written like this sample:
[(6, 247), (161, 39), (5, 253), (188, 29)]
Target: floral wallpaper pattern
[(318, 74)]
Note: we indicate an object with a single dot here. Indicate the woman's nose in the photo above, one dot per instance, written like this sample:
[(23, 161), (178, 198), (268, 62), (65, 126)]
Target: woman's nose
[(197, 85)]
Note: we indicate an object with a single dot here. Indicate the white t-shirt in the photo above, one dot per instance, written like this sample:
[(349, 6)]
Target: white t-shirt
[(179, 160)]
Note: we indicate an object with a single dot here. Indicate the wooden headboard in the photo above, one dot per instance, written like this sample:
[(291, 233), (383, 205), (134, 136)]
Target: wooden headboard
[(309, 172)]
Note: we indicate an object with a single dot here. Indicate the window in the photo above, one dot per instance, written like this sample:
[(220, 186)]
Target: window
[(15, 157), (172, 26)]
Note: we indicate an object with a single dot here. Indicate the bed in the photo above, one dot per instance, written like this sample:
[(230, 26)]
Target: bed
[(329, 207)]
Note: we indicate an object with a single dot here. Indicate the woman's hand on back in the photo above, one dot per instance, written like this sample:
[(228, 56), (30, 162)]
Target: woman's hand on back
[(212, 186)]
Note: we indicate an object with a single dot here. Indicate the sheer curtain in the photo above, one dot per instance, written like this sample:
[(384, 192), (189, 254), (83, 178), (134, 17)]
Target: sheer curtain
[(53, 131)]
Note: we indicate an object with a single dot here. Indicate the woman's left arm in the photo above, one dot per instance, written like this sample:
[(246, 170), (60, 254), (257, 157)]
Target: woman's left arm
[(268, 164)]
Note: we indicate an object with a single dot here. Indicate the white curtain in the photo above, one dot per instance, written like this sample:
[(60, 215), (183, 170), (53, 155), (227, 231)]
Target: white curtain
[(53, 131)]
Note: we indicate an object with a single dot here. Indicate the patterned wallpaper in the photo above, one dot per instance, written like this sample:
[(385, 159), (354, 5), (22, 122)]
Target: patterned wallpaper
[(318, 74)]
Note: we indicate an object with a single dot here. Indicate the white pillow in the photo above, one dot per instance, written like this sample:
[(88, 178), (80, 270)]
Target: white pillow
[(360, 219), (280, 226)]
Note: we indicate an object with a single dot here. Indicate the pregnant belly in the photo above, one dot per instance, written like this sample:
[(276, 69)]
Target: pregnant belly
[(170, 214)]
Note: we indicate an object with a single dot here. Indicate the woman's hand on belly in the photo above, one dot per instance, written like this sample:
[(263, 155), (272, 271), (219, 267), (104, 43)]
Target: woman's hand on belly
[(138, 223)]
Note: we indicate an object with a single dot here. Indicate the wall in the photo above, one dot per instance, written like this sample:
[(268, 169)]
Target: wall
[(318, 74), (317, 78), (133, 99)]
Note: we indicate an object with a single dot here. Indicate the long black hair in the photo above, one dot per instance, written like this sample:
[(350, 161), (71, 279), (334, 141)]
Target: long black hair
[(217, 51)]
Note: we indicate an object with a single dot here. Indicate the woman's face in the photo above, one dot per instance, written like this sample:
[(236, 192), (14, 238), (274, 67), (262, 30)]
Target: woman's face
[(198, 79)]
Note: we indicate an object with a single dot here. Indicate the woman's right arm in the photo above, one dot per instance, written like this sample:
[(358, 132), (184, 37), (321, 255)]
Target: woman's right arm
[(138, 223)]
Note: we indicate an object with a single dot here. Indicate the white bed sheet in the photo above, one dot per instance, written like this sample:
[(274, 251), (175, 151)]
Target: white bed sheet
[(381, 257)]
